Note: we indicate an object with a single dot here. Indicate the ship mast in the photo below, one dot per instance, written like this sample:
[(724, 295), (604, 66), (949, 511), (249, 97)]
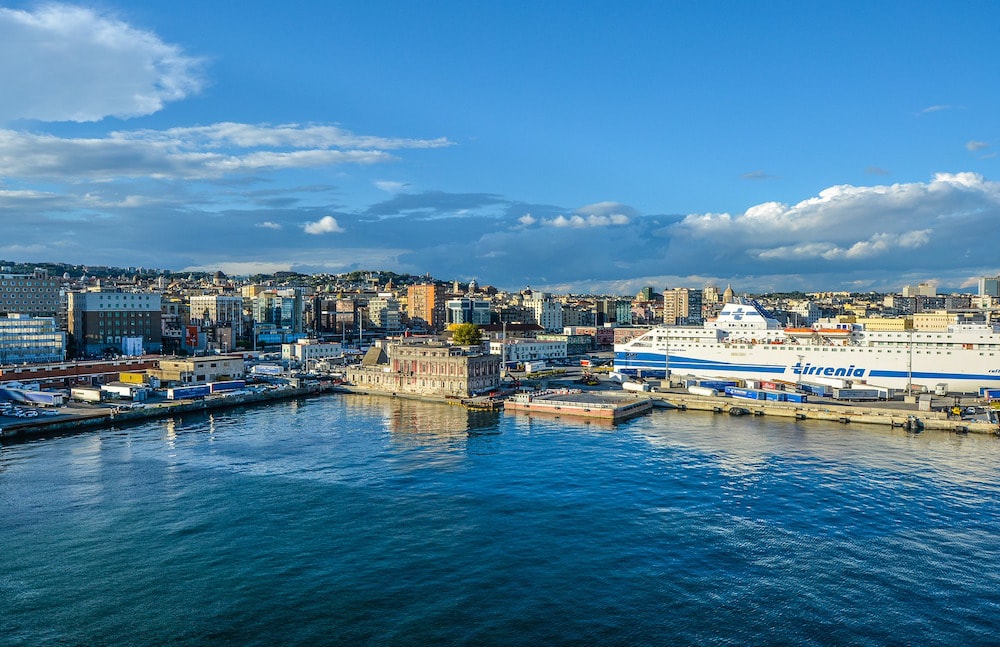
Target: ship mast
[(666, 358), (909, 365)]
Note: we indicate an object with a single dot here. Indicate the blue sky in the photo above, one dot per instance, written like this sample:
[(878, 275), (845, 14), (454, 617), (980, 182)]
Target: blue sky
[(576, 147)]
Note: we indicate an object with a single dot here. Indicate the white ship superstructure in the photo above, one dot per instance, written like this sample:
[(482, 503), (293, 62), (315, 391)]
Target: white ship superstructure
[(746, 342)]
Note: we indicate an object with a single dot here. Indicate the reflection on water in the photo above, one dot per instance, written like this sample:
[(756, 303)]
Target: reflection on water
[(748, 446), (404, 417)]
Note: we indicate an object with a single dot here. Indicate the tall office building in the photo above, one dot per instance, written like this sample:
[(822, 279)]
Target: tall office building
[(989, 286), (682, 306), (425, 305), (383, 312)]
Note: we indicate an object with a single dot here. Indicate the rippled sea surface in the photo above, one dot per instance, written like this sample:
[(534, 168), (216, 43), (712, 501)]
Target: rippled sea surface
[(357, 520)]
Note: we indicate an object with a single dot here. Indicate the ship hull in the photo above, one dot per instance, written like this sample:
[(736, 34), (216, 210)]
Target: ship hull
[(965, 371)]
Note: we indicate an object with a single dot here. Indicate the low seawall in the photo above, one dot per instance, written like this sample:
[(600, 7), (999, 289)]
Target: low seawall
[(106, 417), (841, 413)]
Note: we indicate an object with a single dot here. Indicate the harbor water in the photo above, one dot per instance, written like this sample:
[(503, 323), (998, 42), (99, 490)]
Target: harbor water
[(348, 520)]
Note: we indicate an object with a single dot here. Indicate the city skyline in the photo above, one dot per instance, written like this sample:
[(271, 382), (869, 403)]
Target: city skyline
[(574, 148)]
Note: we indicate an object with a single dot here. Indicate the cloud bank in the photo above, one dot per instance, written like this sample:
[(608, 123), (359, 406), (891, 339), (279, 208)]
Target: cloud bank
[(191, 153)]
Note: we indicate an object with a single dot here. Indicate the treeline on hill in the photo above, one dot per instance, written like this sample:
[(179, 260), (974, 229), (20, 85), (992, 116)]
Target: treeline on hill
[(76, 271), (102, 271)]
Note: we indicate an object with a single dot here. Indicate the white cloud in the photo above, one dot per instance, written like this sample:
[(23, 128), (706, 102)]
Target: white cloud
[(267, 224), (325, 225), (879, 243), (293, 159), (527, 220), (21, 194), (391, 187), (589, 221), (171, 154), (758, 175), (65, 63), (601, 214), (937, 108), (95, 201), (281, 136), (973, 146)]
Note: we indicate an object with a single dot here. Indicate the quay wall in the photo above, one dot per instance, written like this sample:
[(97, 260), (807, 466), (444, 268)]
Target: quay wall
[(845, 414), (107, 417)]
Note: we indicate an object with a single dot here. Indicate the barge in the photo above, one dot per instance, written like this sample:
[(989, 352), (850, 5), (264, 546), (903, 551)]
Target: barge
[(573, 402)]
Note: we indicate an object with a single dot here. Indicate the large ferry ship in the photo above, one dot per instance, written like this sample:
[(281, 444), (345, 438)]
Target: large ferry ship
[(746, 342)]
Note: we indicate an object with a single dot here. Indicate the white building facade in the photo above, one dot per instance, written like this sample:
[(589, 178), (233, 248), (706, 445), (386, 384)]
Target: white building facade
[(218, 309), (306, 351), (526, 350), (546, 312)]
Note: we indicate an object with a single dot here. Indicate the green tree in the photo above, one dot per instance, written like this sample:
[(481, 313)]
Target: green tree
[(467, 334)]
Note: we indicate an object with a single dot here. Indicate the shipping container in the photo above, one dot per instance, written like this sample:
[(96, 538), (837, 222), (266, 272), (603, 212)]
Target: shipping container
[(267, 369), (835, 382), (702, 390), (230, 385), (635, 386), (119, 390), (774, 396), (768, 386), (989, 394), (85, 394), (132, 377), (718, 385), (856, 394), (535, 366), (186, 392), (747, 394), (820, 390), (797, 397), (30, 396)]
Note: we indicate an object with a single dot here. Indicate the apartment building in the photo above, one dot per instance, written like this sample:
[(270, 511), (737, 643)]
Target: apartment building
[(35, 294), (106, 319)]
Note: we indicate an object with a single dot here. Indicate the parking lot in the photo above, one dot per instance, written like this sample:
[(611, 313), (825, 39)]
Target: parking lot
[(19, 411)]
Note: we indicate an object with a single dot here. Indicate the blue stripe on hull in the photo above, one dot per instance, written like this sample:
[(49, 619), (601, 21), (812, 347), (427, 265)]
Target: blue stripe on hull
[(924, 375), (653, 362)]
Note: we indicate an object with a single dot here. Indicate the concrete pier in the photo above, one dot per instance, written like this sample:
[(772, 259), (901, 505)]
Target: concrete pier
[(76, 419)]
